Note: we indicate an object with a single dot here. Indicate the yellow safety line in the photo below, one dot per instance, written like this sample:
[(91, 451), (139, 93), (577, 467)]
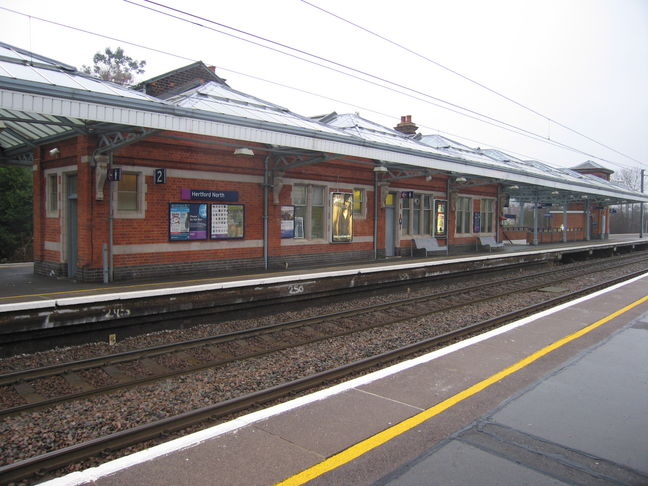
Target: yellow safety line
[(386, 435)]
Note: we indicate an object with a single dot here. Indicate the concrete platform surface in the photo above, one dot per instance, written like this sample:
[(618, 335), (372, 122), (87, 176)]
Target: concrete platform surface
[(18, 284), (556, 398)]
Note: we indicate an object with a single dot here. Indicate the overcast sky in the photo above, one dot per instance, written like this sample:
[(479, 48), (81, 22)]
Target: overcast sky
[(579, 63)]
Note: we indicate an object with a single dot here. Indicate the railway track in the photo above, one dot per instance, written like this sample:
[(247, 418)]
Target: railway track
[(144, 366), (56, 459)]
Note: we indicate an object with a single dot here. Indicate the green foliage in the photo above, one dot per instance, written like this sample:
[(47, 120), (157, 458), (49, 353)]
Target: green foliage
[(15, 213), (115, 66)]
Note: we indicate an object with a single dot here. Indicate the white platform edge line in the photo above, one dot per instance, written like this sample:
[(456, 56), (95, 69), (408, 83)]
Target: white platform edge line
[(79, 477)]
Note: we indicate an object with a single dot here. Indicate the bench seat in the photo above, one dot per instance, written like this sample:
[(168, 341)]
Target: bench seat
[(489, 241), (429, 245)]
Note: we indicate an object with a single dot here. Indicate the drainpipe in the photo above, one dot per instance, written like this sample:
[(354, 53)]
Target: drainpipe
[(641, 206), (447, 216), (266, 181), (375, 222), (111, 275), (535, 222), (497, 213), (564, 222), (588, 222)]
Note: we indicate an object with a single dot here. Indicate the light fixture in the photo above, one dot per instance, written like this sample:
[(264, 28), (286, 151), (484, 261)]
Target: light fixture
[(380, 168), (514, 187), (244, 151), (461, 180), (54, 152), (555, 193), (428, 178)]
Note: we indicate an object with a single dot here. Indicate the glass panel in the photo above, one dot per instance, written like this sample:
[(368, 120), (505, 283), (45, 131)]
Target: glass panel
[(128, 182), (53, 192), (127, 201), (127, 193), (406, 216), (317, 222), (358, 200), (299, 194), (416, 215), (300, 217), (318, 196)]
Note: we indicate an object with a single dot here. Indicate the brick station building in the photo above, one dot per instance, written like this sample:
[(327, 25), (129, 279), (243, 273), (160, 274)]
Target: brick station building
[(187, 176)]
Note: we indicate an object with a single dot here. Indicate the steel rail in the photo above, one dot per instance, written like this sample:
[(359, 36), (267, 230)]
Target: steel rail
[(247, 333), (56, 459), (126, 356)]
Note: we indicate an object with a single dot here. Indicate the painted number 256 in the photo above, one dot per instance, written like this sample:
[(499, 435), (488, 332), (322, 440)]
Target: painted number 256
[(295, 289)]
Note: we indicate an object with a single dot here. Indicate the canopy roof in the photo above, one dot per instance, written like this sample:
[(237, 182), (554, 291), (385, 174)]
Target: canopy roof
[(43, 101)]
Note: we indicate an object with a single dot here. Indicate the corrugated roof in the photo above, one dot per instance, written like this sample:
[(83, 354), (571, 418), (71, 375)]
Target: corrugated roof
[(219, 98), (42, 99)]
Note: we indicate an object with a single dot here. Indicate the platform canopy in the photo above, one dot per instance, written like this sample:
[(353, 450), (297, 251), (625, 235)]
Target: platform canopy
[(43, 101)]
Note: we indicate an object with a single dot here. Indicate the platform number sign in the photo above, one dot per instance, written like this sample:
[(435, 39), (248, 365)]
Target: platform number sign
[(159, 176), (114, 174)]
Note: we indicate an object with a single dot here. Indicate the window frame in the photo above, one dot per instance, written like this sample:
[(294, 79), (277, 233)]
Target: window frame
[(308, 211), (487, 217), (362, 212), (52, 194), (140, 197), (410, 212), (466, 216)]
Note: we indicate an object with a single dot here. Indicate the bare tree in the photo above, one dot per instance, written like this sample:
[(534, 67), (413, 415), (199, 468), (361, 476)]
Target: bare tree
[(628, 216)]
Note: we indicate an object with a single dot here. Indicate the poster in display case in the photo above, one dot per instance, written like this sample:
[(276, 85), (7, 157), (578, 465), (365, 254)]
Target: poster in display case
[(287, 221), (342, 217), (187, 221), (440, 218), (227, 221)]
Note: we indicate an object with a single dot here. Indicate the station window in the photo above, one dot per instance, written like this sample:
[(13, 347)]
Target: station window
[(128, 193), (52, 195), (464, 215), (309, 211), (127, 199), (486, 216), (428, 215), (359, 202), (418, 215)]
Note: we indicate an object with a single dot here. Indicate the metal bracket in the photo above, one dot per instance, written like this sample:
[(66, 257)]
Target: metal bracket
[(112, 141)]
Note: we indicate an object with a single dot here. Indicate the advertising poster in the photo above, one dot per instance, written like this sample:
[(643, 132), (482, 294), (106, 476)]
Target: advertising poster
[(476, 222), (342, 217), (227, 221), (440, 218), (287, 221), (187, 221)]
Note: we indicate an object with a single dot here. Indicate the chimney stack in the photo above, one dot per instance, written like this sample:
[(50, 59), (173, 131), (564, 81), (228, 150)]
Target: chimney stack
[(406, 125)]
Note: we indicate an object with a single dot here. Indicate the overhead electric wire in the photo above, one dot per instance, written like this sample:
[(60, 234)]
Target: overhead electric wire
[(481, 85), (95, 34), (512, 128), (352, 69), (493, 121)]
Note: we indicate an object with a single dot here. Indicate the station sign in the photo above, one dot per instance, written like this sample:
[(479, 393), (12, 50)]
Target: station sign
[(208, 195), (407, 194)]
